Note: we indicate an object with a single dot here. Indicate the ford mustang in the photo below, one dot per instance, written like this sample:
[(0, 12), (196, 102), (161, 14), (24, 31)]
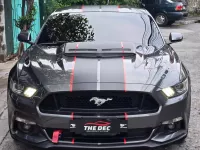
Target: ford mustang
[(99, 77)]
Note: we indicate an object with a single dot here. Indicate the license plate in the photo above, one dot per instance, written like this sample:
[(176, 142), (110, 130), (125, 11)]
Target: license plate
[(95, 127)]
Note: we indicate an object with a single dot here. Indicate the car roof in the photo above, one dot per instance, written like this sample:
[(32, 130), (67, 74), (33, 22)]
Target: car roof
[(101, 8)]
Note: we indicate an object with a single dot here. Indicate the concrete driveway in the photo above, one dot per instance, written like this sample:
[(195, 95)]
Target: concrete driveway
[(189, 52)]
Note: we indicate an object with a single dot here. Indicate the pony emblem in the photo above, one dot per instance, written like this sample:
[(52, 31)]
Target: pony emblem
[(99, 101)]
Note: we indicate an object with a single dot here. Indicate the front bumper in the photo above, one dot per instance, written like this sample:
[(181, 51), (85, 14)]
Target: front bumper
[(174, 108), (46, 144), (175, 16)]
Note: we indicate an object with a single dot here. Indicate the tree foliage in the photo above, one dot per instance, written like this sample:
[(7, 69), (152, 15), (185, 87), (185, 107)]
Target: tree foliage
[(26, 20), (98, 2), (55, 4), (70, 28)]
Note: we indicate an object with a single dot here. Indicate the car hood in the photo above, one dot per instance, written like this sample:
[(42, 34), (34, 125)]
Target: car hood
[(147, 67)]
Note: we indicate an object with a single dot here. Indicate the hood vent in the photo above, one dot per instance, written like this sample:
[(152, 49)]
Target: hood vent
[(117, 49)]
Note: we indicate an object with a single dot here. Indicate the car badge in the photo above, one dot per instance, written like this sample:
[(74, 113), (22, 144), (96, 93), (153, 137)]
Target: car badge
[(100, 101)]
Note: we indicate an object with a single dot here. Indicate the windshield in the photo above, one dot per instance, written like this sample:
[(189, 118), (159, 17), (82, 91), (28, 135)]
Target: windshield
[(101, 27), (183, 1)]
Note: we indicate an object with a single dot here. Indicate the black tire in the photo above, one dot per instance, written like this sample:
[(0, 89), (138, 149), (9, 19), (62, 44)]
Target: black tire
[(170, 22), (161, 19)]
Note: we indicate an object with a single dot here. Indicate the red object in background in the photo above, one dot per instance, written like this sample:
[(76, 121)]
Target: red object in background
[(179, 7)]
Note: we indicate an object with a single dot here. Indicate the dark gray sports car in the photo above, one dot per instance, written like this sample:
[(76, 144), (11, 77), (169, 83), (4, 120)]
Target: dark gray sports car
[(99, 77)]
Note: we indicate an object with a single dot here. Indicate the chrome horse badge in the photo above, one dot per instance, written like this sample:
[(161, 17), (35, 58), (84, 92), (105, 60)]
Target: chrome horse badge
[(100, 101)]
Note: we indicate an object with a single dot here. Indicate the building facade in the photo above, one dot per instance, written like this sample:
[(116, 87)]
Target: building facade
[(194, 6), (3, 50)]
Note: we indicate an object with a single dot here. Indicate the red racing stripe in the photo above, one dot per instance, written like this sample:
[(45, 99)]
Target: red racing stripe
[(72, 116), (82, 7), (118, 7), (72, 74), (77, 45), (126, 116)]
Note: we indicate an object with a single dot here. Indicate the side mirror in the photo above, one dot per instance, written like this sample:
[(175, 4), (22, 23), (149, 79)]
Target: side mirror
[(175, 37), (24, 36)]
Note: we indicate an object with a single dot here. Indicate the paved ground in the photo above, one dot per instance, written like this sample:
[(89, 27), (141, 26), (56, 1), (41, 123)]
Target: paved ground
[(189, 52), (188, 20)]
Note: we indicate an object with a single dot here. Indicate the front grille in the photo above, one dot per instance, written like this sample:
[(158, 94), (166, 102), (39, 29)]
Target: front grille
[(116, 102), (132, 135)]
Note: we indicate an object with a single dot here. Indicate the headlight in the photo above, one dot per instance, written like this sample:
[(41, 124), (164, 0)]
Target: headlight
[(29, 92), (176, 90), (16, 88), (21, 90), (182, 87), (169, 92)]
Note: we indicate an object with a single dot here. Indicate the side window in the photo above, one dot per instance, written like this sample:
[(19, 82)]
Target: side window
[(156, 37), (152, 35)]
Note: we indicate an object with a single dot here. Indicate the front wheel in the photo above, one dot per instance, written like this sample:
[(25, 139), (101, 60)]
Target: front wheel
[(161, 19)]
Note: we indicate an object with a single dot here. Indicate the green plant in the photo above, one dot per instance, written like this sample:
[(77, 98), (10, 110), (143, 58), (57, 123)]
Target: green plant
[(98, 2), (52, 5), (26, 20)]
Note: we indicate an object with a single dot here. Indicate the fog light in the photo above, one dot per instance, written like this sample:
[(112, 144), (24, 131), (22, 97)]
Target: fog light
[(172, 121), (27, 126), (171, 126), (25, 121)]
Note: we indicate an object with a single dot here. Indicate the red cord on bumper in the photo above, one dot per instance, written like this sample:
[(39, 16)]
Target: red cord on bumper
[(56, 135), (73, 140), (124, 140)]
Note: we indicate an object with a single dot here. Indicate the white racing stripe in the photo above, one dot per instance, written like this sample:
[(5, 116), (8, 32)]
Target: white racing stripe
[(98, 74)]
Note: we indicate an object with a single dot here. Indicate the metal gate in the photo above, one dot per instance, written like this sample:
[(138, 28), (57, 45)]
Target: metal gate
[(16, 13)]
